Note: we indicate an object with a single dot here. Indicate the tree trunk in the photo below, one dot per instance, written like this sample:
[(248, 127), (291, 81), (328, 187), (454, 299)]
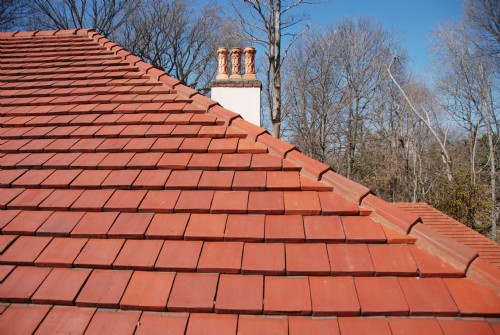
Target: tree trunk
[(276, 72)]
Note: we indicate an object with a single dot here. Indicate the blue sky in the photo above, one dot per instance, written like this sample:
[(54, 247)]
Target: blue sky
[(412, 20)]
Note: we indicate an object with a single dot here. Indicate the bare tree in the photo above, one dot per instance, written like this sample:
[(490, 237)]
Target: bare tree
[(12, 14), (469, 56), (270, 23), (178, 39), (105, 16)]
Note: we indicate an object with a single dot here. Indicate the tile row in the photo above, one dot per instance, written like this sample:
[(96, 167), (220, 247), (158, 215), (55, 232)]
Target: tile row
[(161, 179), (96, 104), (104, 125), (146, 160), (205, 143), (268, 258), (50, 87), (47, 319), (248, 294), (201, 128), (185, 201), (197, 226)]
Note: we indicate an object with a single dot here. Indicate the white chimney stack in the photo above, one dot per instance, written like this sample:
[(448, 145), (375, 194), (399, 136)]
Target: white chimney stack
[(234, 91)]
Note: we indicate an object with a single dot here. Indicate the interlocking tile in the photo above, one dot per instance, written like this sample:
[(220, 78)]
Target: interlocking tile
[(171, 226), (428, 296), (216, 180), (333, 296), (230, 202), (26, 318), (32, 178), (112, 145), (94, 225), (352, 259), (193, 292), (473, 298), (392, 260), (167, 144), (307, 259), (305, 325), (61, 252), (8, 194), (174, 161), (206, 226), (66, 320), (287, 228), (248, 228), (99, 253), (61, 286), (159, 201), (283, 181), (24, 250), (304, 202), (239, 294), (271, 202), (125, 200), (183, 180), (168, 323), (90, 179), (235, 161), (60, 200), (287, 295), (194, 202), (92, 200), (414, 326), (104, 288), (26, 222), (362, 229), (334, 204), (357, 325), (22, 283), (221, 324), (151, 179), (113, 321), (263, 258), (6, 241), (120, 179), (249, 180), (204, 161), (222, 257), (130, 225), (145, 160), (179, 256), (147, 291), (59, 224), (381, 295), (29, 199), (8, 176), (195, 145), (323, 229), (451, 326), (60, 179), (138, 254), (88, 160)]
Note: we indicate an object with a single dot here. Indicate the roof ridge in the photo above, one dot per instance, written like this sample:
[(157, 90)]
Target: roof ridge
[(459, 254)]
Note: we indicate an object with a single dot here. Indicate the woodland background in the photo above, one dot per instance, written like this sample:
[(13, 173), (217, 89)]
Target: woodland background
[(342, 93)]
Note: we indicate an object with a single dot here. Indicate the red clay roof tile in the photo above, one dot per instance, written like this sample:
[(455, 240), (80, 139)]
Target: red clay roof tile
[(80, 114)]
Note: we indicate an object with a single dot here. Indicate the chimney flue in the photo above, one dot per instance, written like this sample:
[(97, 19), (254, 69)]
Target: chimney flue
[(249, 63), (235, 63), (222, 60)]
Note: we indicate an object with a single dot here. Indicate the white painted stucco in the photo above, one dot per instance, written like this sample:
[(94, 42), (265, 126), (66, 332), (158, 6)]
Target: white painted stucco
[(242, 100)]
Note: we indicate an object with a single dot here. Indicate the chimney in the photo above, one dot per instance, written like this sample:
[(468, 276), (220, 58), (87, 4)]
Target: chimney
[(234, 90)]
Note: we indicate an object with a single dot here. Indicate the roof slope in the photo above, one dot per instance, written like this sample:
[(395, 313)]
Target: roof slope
[(125, 195), (442, 223)]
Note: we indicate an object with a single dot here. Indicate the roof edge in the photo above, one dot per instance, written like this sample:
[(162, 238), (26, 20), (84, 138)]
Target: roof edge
[(459, 255)]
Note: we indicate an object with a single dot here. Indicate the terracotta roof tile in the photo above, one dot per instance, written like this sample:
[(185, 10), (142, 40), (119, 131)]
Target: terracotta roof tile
[(139, 193)]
